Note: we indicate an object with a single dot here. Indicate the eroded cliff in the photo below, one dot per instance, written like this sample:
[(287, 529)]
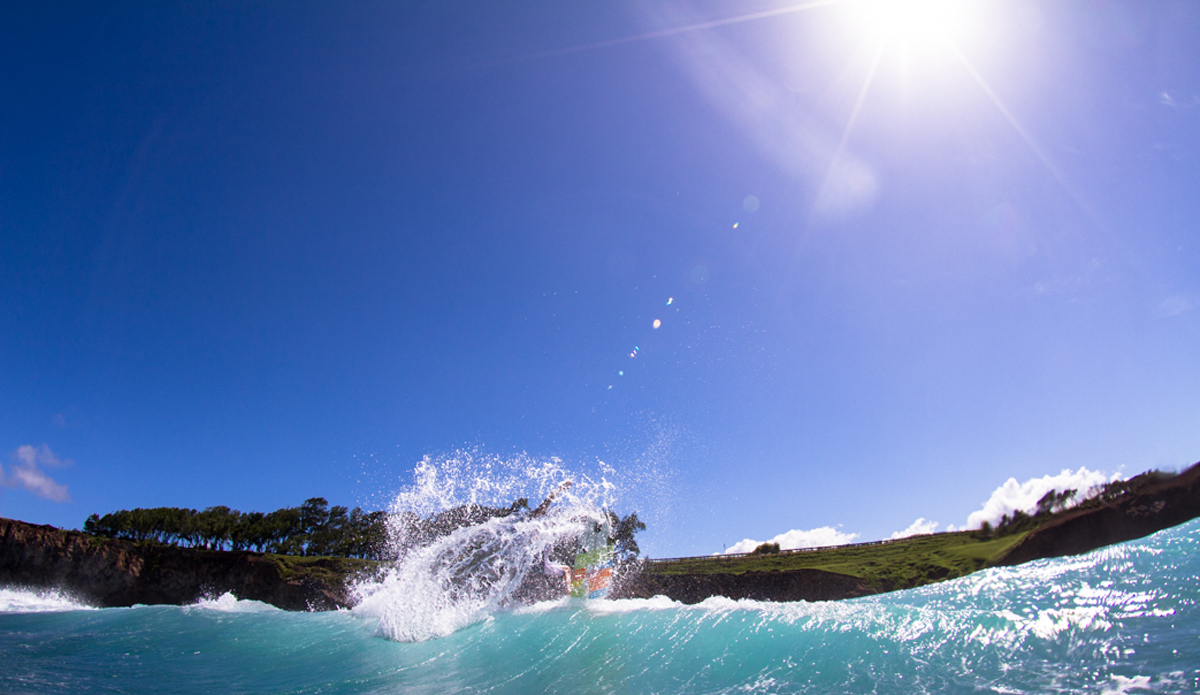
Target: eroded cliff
[(107, 572)]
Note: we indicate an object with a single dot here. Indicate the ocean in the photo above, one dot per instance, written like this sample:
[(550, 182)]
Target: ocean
[(1123, 619)]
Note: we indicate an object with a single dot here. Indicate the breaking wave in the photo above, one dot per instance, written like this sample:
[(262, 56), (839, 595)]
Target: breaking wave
[(456, 565), (1125, 619)]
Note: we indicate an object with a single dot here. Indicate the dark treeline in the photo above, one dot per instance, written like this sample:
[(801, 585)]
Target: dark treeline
[(419, 531), (1053, 502), (313, 528)]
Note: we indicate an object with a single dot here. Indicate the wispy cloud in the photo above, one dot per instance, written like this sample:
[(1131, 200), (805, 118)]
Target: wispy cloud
[(1012, 495), (1174, 306), (796, 539), (1176, 101), (920, 527), (27, 473)]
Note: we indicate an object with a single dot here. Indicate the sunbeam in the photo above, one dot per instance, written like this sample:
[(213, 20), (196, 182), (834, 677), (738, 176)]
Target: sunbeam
[(674, 31), (852, 119), (1008, 116), (1029, 141)]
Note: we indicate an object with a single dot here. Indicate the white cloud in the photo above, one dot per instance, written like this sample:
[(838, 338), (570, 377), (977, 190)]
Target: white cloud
[(796, 539), (920, 527), (1012, 495), (27, 473)]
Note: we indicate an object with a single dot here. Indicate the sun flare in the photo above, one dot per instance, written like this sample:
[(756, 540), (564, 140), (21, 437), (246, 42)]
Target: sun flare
[(917, 23)]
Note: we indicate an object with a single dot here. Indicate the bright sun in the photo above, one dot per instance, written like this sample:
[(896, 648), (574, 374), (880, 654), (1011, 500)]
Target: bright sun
[(917, 23)]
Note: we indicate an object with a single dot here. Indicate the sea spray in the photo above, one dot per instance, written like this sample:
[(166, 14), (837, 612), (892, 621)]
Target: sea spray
[(458, 560), (229, 603), (15, 600)]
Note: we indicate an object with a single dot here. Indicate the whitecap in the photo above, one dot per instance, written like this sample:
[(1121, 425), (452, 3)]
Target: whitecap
[(228, 603), (47, 601)]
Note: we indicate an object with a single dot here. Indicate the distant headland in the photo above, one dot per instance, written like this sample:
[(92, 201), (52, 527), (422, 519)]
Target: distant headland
[(1120, 511), (123, 561)]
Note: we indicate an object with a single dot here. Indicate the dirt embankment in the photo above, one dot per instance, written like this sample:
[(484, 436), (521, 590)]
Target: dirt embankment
[(107, 572)]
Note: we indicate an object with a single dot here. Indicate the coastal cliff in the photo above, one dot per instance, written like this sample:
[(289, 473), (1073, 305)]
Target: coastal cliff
[(107, 572), (111, 572), (788, 585), (851, 571), (1158, 506)]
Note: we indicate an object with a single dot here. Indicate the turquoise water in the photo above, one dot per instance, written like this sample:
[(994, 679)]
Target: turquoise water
[(1123, 619)]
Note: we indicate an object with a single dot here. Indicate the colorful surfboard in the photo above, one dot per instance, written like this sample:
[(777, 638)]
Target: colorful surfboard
[(592, 575)]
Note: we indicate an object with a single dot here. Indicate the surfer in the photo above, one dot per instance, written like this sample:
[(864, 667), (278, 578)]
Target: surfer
[(554, 569), (545, 505), (591, 575)]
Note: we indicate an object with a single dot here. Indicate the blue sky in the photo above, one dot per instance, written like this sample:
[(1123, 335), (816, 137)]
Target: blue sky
[(252, 253)]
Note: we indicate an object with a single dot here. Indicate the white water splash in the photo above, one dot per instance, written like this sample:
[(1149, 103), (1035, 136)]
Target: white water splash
[(443, 582), (26, 601), (228, 603)]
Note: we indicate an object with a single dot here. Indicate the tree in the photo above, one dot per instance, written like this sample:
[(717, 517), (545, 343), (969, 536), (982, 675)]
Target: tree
[(215, 525), (623, 532), (1045, 504)]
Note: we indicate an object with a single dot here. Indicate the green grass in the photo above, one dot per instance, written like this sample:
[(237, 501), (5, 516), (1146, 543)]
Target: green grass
[(904, 563)]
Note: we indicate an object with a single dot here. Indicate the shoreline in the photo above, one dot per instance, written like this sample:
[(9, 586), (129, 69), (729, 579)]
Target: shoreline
[(110, 572)]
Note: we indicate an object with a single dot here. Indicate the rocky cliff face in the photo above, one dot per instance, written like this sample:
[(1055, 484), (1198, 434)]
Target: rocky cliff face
[(107, 572), (787, 585)]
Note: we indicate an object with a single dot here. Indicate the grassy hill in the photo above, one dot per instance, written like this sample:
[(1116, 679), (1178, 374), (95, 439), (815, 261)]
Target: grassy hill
[(884, 565)]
